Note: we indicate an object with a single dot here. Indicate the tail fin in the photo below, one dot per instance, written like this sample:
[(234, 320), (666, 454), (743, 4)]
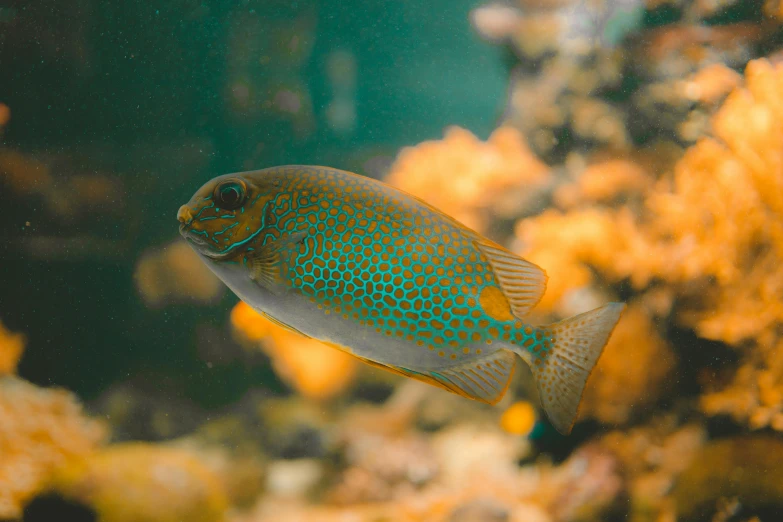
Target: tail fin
[(577, 343)]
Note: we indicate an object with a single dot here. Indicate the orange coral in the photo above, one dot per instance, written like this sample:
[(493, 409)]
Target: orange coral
[(598, 120), (137, 481), (605, 181), (712, 233), (719, 219), (710, 84), (315, 370), (173, 273), (11, 348), (468, 179), (39, 430), (252, 325), (722, 220), (566, 244)]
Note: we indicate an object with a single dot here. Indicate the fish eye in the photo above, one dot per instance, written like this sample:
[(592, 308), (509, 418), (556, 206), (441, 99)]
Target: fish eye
[(230, 194)]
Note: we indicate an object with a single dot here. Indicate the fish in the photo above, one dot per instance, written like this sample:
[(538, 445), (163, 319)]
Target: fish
[(382, 275)]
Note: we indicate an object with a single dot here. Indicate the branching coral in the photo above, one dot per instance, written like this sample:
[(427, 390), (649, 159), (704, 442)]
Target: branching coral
[(688, 69), (718, 236), (722, 219), (230, 449), (39, 430), (604, 181), (570, 90), (469, 179), (710, 234), (565, 244), (315, 370), (718, 218)]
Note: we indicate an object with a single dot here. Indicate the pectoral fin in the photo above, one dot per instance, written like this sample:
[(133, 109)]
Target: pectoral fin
[(264, 263)]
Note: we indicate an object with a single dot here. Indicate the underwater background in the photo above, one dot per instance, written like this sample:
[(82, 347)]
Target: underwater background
[(631, 148)]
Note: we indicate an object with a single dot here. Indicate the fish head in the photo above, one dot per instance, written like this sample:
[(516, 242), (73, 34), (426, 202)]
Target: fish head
[(225, 214)]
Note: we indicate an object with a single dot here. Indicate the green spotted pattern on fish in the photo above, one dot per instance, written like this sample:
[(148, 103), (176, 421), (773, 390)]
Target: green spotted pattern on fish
[(383, 275)]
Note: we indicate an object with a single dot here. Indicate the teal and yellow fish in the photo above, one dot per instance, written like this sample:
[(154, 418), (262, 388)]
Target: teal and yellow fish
[(390, 279)]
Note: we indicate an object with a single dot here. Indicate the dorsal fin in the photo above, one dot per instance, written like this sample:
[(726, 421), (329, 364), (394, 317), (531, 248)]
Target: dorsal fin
[(265, 262), (522, 282)]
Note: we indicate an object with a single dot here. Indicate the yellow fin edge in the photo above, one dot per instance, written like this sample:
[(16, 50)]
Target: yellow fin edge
[(484, 379)]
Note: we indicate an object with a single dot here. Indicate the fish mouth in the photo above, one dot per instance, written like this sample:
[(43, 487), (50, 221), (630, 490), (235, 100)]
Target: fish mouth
[(202, 246), (186, 231)]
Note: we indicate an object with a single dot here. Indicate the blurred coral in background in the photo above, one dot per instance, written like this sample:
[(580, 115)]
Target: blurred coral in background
[(637, 156), (22, 173), (473, 181), (40, 430), (175, 273), (710, 232), (127, 482)]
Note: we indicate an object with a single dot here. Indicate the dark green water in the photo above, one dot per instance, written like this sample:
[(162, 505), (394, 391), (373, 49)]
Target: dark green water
[(147, 93)]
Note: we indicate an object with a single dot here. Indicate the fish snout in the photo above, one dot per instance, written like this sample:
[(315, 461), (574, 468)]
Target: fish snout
[(184, 215)]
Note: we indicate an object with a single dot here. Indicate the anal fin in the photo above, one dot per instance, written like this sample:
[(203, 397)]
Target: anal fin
[(484, 379)]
